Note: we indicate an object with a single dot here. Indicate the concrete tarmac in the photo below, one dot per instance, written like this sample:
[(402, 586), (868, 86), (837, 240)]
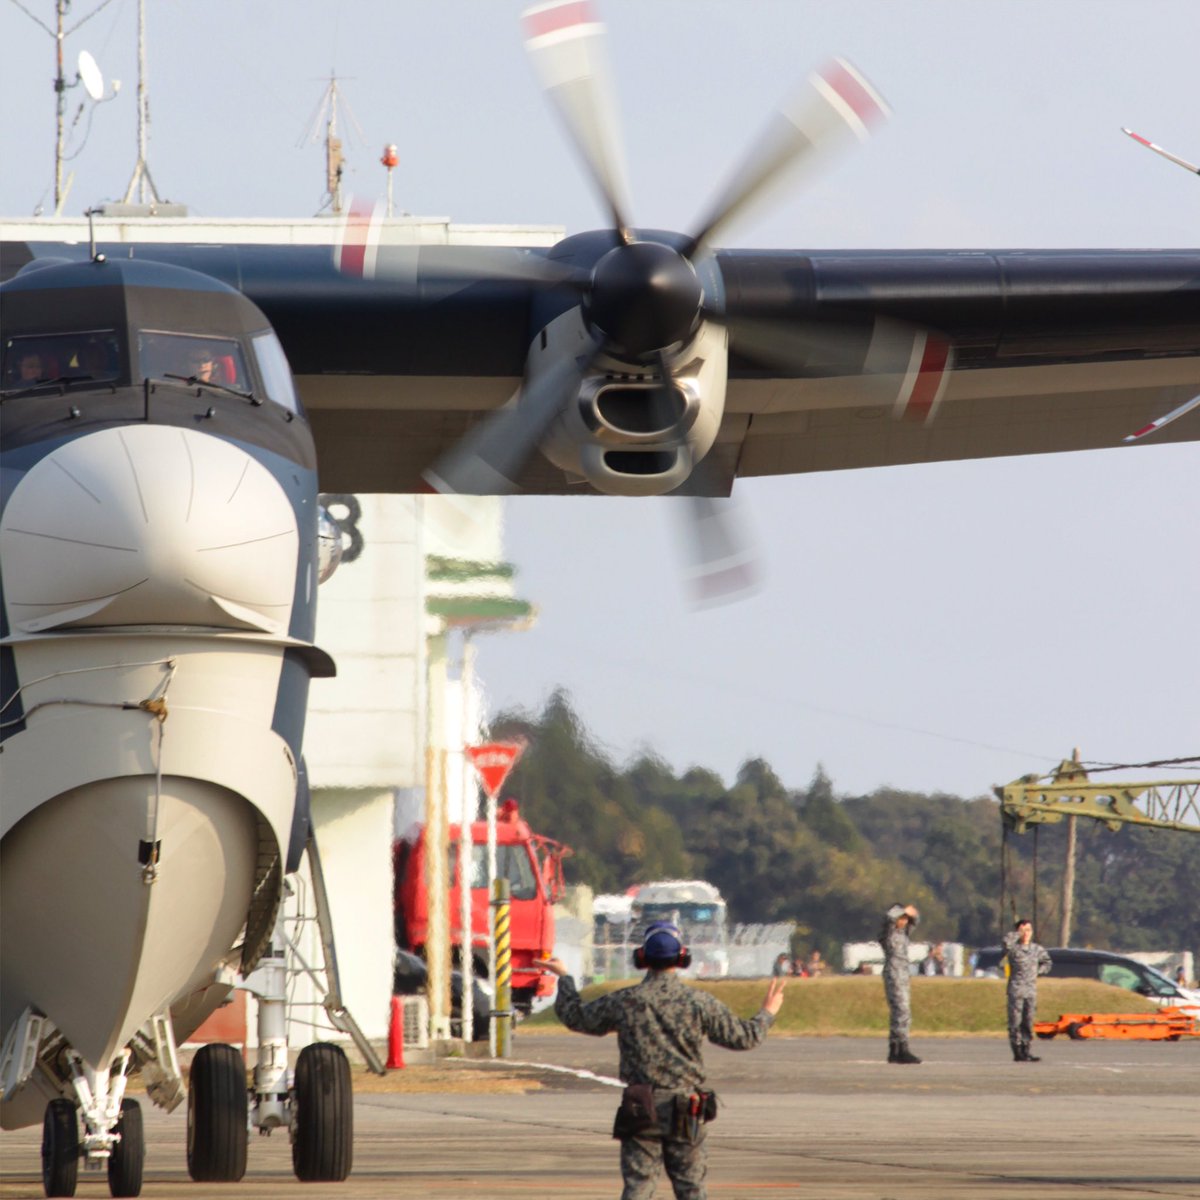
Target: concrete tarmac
[(811, 1117)]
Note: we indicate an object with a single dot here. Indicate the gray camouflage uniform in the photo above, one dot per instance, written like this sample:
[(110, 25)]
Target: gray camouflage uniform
[(661, 1024), (1025, 964), (897, 978)]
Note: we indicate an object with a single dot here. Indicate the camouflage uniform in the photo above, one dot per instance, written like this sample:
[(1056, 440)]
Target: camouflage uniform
[(1025, 964), (896, 980), (661, 1024)]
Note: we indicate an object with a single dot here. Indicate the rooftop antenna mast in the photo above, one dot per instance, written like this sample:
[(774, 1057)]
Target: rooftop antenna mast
[(60, 86), (335, 161), (88, 74), (141, 179)]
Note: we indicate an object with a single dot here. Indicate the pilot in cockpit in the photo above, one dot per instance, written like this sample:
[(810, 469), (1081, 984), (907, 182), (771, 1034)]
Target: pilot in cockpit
[(30, 367), (202, 365)]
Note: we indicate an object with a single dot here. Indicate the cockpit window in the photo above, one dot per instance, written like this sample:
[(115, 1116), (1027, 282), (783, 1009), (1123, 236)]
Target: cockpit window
[(273, 366), (186, 356), (93, 355)]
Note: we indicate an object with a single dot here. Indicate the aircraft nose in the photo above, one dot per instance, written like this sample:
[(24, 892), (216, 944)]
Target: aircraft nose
[(149, 525)]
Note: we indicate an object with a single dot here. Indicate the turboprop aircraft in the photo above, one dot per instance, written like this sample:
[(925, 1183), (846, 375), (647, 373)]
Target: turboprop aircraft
[(161, 553), (159, 520)]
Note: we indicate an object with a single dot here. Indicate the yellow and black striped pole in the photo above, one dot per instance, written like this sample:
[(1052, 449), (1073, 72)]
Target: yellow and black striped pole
[(502, 1013)]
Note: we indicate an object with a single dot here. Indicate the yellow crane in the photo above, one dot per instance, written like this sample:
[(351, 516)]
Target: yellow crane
[(1068, 793)]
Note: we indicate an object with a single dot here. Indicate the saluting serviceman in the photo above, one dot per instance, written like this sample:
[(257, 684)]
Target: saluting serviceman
[(1026, 961), (661, 1024), (897, 979)]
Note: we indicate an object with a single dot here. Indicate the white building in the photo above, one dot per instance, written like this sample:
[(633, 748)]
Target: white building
[(397, 621)]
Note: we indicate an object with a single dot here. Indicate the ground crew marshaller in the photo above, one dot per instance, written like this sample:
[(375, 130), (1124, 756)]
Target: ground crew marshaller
[(1026, 961), (661, 1024), (897, 977)]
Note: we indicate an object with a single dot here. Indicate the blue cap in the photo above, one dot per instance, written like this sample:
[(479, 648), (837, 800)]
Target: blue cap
[(663, 943)]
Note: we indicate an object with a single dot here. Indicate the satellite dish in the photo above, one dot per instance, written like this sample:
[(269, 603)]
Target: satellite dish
[(89, 76)]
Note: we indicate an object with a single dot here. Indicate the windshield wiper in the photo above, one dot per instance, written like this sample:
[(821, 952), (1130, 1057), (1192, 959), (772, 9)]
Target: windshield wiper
[(194, 381), (58, 382)]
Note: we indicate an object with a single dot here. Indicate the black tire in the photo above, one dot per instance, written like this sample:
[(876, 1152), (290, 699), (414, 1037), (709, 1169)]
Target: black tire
[(60, 1148), (1045, 1036), (218, 1111), (1073, 1032), (323, 1115), (128, 1156)]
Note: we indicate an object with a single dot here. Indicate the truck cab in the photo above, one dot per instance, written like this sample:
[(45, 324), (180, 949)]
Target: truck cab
[(531, 863)]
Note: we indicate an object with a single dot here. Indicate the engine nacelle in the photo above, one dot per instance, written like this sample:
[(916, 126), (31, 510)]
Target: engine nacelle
[(625, 433)]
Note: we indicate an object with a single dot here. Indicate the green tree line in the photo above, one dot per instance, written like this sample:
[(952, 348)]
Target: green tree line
[(833, 864)]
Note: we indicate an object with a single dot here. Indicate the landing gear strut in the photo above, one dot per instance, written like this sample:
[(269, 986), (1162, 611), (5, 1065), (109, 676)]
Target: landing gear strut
[(316, 1105)]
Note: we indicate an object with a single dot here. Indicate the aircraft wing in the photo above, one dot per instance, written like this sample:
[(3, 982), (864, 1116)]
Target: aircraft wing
[(1053, 351)]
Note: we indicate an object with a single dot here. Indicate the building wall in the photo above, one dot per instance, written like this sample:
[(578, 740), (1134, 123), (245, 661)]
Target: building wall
[(354, 833), (365, 742), (365, 727), (370, 730)]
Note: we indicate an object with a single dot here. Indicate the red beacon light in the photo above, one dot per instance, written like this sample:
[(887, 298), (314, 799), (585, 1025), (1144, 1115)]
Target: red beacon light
[(390, 156)]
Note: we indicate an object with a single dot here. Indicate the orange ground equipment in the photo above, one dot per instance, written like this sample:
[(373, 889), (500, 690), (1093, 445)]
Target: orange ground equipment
[(1166, 1025)]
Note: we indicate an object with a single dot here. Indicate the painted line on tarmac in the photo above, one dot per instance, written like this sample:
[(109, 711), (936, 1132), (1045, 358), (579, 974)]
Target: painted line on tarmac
[(578, 1072)]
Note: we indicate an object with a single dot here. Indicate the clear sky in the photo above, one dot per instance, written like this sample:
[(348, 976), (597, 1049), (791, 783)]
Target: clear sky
[(938, 627)]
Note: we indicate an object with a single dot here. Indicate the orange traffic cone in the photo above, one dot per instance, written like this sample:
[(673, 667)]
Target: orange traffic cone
[(395, 1059)]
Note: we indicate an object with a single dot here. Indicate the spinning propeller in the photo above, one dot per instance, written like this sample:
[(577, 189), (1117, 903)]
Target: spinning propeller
[(641, 309)]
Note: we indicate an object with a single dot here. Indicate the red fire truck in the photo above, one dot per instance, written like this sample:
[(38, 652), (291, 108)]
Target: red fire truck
[(531, 863)]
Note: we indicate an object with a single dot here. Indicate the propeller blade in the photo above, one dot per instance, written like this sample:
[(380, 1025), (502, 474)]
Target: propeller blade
[(358, 239), (723, 563), (901, 365), (361, 253), (1173, 415), (1183, 162), (565, 43), (489, 459), (837, 106)]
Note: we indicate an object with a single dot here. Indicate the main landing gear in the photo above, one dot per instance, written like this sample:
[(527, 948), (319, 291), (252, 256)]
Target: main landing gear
[(318, 1111)]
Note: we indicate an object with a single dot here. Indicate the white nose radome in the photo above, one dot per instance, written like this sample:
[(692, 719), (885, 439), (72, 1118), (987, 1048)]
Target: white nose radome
[(149, 525)]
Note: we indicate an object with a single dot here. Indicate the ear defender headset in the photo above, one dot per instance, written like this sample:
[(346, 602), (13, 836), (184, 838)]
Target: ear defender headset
[(662, 947)]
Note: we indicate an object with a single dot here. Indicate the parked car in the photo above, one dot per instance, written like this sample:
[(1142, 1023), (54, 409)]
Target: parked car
[(410, 976), (1114, 969)]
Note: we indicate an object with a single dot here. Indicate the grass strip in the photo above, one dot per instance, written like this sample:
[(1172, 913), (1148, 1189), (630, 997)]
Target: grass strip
[(855, 1005)]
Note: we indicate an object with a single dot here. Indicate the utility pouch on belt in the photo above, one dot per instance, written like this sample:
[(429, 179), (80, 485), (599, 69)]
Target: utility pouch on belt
[(690, 1113), (636, 1116)]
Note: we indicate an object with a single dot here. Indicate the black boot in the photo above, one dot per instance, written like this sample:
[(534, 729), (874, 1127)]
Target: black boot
[(893, 1050), (1028, 1056), (1020, 1054), (904, 1054)]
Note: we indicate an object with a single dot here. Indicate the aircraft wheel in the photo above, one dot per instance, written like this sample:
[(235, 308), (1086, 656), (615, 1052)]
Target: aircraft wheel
[(1073, 1032), (323, 1115), (218, 1113), (129, 1154), (60, 1148), (1045, 1036)]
